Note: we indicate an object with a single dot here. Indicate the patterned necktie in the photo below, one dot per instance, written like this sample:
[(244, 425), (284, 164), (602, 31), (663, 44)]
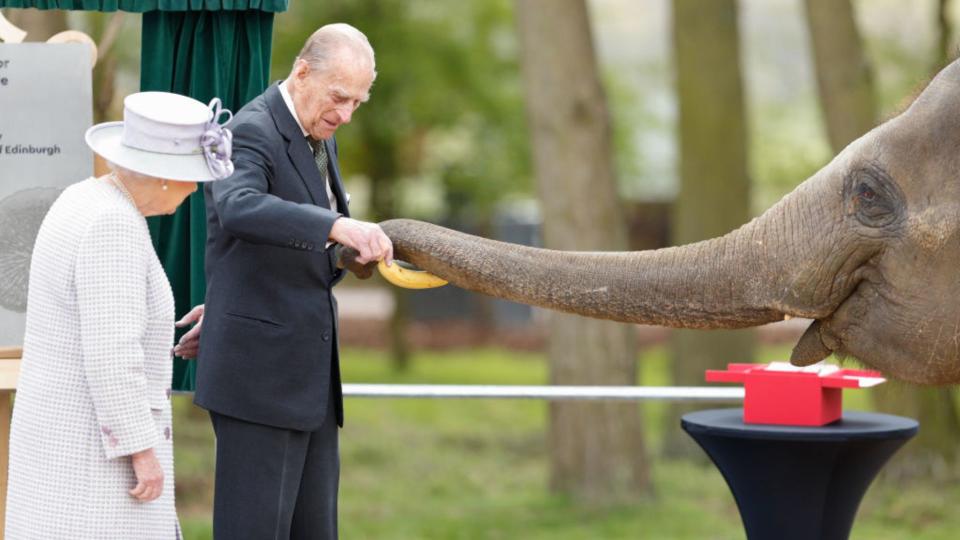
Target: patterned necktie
[(319, 155)]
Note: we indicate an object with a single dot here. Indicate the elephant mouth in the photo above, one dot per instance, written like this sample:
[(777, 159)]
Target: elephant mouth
[(836, 322), (825, 335), (858, 330)]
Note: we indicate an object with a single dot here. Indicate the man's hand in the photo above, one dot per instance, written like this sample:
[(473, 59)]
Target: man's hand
[(189, 344), (149, 475), (368, 239)]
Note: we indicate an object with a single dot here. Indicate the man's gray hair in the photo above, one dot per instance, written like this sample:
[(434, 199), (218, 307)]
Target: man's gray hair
[(325, 45)]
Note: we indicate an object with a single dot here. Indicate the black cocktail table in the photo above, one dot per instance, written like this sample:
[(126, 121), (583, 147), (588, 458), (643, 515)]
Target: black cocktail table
[(798, 483)]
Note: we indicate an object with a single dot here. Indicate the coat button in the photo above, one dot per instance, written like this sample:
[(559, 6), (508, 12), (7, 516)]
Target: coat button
[(166, 433), (325, 336)]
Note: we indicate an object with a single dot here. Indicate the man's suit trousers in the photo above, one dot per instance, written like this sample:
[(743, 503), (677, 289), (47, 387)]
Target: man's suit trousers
[(274, 483)]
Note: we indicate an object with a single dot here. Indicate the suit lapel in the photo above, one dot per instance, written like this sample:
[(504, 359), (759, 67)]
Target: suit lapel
[(302, 159), (297, 148), (336, 183)]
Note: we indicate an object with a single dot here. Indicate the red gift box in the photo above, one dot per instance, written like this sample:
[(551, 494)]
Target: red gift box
[(779, 393)]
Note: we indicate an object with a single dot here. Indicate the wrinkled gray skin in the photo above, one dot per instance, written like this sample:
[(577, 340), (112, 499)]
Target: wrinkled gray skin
[(869, 247)]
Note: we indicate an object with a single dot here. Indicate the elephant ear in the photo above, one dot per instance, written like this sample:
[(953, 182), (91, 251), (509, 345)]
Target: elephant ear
[(347, 260), (810, 349)]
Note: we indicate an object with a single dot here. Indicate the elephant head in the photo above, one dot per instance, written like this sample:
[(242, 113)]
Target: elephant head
[(868, 247)]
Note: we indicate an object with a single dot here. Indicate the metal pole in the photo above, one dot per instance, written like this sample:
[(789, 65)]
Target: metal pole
[(550, 393), (627, 393)]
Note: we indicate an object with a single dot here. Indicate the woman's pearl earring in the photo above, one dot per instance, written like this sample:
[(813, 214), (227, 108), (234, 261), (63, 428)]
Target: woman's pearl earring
[(164, 186)]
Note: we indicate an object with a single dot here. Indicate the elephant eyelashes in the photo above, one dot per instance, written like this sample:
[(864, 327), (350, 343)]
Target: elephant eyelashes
[(872, 198)]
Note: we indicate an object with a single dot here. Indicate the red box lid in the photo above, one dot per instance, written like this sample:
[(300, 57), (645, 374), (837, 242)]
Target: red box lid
[(781, 393)]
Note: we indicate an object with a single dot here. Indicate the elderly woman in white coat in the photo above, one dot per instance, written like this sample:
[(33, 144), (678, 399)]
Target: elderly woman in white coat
[(91, 452)]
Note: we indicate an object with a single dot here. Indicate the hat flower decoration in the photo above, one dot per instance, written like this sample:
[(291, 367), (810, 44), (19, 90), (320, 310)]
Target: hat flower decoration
[(217, 142)]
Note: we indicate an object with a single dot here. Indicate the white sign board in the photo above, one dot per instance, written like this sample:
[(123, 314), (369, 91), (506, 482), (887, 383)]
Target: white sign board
[(45, 108)]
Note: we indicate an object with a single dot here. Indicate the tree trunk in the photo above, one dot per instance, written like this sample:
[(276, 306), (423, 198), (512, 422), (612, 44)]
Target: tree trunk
[(844, 75), (943, 54), (383, 205), (850, 110), (597, 449), (399, 324), (39, 24), (714, 195), (105, 29), (933, 453)]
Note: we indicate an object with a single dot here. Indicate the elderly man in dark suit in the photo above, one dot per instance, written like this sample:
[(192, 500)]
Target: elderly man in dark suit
[(268, 369)]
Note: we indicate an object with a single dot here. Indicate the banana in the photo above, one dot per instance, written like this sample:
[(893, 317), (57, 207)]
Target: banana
[(407, 278)]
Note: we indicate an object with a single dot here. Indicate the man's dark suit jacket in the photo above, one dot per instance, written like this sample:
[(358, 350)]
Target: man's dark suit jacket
[(268, 349)]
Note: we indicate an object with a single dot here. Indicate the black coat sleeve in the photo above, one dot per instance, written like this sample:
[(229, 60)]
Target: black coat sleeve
[(248, 210)]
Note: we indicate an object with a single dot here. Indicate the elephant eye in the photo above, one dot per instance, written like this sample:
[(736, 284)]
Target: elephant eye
[(872, 197)]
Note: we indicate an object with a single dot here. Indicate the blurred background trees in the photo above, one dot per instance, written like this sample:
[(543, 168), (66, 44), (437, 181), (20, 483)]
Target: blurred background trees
[(601, 123), (596, 448), (713, 195)]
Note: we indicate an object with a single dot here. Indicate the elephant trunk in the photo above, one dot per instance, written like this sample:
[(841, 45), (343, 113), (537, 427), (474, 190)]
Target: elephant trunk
[(770, 267)]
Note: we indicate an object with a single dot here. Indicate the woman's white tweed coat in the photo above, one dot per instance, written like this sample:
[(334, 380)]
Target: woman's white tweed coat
[(95, 382)]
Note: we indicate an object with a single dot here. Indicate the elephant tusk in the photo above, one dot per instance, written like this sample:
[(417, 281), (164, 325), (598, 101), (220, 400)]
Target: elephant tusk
[(407, 278)]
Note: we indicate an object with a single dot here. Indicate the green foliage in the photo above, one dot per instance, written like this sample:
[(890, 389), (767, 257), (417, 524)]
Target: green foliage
[(628, 120), (788, 146), (788, 141), (446, 112)]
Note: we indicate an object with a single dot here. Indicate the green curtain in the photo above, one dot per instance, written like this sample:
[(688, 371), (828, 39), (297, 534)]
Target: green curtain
[(142, 6), (205, 54)]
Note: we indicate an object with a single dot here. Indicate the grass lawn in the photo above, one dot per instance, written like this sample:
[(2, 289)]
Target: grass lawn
[(477, 469)]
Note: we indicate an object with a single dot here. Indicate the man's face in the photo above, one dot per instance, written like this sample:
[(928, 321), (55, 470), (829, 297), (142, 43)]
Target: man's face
[(327, 100)]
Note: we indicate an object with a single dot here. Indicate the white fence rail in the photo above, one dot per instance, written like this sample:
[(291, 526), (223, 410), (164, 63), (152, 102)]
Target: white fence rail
[(605, 393)]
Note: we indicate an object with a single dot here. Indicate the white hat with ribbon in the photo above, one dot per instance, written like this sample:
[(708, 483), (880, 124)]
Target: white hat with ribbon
[(167, 136)]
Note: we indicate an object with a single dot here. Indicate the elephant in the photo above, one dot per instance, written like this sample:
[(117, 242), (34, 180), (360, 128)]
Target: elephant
[(868, 247)]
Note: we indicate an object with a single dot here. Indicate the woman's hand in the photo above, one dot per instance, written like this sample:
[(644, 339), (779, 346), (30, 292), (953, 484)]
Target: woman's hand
[(189, 345), (149, 476)]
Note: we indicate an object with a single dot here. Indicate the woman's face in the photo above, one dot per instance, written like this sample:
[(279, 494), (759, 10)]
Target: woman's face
[(169, 199)]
